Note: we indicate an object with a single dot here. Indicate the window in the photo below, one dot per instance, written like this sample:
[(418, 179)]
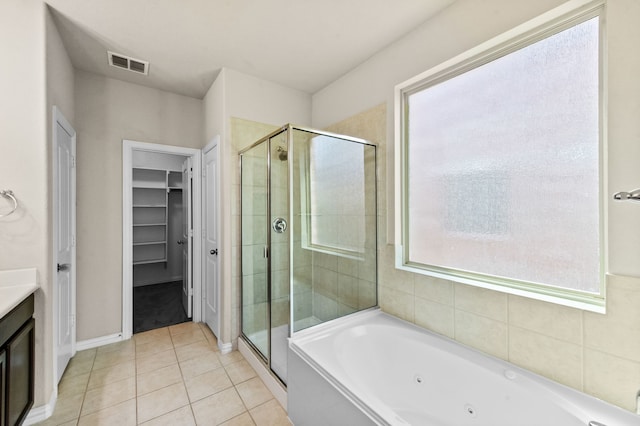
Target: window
[(500, 166), (337, 195)]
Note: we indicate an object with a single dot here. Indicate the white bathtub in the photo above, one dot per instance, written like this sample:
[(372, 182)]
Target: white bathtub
[(372, 368)]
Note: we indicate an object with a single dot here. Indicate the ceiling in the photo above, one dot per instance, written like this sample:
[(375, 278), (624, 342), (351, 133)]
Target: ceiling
[(302, 44)]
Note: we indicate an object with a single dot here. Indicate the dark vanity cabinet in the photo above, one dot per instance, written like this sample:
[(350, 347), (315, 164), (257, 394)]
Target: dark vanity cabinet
[(17, 340)]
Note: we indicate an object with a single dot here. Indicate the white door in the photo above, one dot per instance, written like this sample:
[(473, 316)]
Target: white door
[(64, 147), (187, 242), (210, 221)]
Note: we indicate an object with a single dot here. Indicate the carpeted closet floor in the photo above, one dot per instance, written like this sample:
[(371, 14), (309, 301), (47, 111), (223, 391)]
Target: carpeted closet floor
[(157, 305)]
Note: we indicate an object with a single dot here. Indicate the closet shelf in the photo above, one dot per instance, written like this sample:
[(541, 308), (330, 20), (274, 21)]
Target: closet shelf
[(149, 243), (147, 262), (150, 202), (148, 187)]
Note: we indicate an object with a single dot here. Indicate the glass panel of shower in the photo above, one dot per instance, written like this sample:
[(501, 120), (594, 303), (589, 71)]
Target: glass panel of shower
[(314, 259)]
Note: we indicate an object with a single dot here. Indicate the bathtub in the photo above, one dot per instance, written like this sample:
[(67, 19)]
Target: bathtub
[(374, 369)]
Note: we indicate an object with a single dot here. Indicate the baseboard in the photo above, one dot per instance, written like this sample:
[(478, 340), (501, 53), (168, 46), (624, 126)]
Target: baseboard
[(98, 341), (41, 413), (225, 348), (270, 382)]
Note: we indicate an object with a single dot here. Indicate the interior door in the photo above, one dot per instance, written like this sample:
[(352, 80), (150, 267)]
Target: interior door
[(64, 229), (187, 238), (211, 287)]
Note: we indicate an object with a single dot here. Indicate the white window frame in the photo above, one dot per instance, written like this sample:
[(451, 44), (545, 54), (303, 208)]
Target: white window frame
[(549, 23)]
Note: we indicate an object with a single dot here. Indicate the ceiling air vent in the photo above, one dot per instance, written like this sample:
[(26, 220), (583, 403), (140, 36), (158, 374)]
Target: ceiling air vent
[(125, 62)]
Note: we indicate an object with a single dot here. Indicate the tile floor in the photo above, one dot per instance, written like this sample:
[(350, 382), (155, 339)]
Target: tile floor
[(169, 376)]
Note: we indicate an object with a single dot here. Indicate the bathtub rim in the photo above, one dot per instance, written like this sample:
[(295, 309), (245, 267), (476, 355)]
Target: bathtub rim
[(585, 406), (311, 334)]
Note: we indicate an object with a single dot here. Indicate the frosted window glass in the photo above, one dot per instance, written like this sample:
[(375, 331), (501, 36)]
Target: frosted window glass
[(503, 165), (337, 193)]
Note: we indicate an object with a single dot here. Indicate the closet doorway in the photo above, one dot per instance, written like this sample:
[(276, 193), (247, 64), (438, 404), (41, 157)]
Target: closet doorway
[(159, 224)]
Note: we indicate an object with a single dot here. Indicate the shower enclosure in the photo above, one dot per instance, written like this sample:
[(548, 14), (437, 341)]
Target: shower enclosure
[(308, 209)]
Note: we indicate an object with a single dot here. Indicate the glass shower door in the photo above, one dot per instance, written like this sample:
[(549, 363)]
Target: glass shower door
[(280, 231), (254, 208)]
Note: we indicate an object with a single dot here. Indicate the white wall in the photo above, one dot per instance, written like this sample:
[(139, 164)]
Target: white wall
[(108, 111), (213, 108), (258, 100)]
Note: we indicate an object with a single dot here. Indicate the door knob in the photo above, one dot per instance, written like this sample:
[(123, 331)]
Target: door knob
[(63, 267), (214, 252), (180, 242)]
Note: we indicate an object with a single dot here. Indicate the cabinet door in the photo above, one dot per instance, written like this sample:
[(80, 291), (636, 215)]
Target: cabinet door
[(3, 376), (19, 374)]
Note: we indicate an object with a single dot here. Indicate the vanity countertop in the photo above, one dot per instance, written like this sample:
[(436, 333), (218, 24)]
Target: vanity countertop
[(15, 286)]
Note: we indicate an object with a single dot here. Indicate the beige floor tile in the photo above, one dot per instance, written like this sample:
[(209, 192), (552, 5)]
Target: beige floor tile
[(155, 361), (196, 366), (79, 366), (73, 385), (183, 327), (107, 359), (207, 384), (218, 408), (162, 401), (150, 336), (158, 379), (67, 409), (108, 395), (180, 417), (243, 419), (123, 414), (270, 414), (166, 368), (193, 350), (114, 373), (188, 337), (240, 371), (85, 355), (159, 344), (230, 358), (253, 392), (125, 346)]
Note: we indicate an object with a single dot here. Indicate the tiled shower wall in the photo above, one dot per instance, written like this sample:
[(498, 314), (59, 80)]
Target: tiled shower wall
[(594, 353)]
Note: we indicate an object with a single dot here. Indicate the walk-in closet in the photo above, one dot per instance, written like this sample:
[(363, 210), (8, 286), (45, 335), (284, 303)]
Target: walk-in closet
[(158, 212)]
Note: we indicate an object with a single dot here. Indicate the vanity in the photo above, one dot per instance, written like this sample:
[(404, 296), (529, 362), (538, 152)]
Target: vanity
[(17, 342)]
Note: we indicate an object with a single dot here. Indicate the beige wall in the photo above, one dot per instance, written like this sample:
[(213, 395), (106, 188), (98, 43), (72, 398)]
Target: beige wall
[(25, 235), (60, 81), (108, 111)]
